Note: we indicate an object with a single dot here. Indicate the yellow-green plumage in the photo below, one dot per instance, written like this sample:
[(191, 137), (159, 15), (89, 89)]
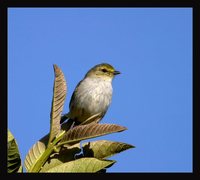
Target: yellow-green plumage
[(93, 94)]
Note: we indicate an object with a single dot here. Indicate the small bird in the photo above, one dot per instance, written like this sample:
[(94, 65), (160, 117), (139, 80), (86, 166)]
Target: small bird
[(92, 95)]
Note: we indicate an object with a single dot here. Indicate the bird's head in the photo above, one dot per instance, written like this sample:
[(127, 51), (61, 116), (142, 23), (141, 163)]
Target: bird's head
[(104, 70)]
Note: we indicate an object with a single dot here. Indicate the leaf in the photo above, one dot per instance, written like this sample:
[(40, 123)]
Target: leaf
[(37, 160), (20, 170), (103, 148), (69, 123), (83, 165), (14, 160), (59, 94), (35, 152), (65, 155), (97, 149), (88, 131), (94, 118)]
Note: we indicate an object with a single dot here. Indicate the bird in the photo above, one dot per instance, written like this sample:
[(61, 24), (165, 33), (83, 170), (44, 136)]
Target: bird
[(92, 95)]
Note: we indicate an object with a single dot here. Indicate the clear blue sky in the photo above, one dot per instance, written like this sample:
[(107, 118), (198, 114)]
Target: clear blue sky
[(152, 47)]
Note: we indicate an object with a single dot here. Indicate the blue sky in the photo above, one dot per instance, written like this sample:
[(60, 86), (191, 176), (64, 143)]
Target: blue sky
[(152, 47)]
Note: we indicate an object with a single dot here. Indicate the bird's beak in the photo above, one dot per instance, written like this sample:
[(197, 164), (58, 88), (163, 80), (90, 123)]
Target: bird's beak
[(116, 72)]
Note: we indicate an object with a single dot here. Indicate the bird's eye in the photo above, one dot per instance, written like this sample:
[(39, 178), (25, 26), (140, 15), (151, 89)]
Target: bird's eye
[(104, 70)]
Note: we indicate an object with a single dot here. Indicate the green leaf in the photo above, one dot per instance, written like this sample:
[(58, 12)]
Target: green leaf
[(88, 131), (13, 159), (34, 161), (103, 148), (66, 154), (59, 95), (97, 149), (35, 152), (83, 165)]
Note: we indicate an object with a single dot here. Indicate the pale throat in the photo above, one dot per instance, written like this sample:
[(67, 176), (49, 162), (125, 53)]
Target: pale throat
[(102, 85)]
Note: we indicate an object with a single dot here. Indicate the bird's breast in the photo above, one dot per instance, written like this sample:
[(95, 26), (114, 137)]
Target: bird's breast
[(92, 96), (97, 92)]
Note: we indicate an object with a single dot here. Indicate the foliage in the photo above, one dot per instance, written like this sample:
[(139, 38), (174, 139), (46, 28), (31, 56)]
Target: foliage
[(13, 159), (61, 150)]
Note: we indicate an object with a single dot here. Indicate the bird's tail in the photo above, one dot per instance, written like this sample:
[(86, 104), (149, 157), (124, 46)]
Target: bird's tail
[(64, 117), (69, 124)]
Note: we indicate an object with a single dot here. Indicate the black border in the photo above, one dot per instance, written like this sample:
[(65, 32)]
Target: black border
[(5, 4), (90, 3), (3, 75)]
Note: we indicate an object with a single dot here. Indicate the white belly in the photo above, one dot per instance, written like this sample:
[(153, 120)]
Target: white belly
[(94, 97)]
